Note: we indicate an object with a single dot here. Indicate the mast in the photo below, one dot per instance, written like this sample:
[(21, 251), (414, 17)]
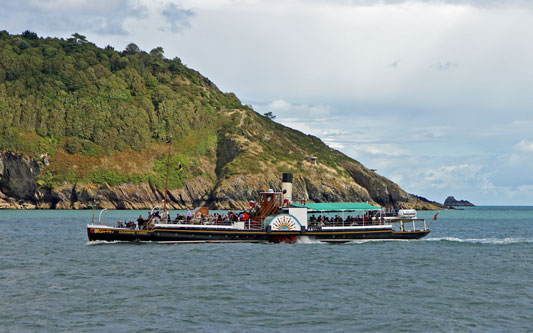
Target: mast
[(168, 166)]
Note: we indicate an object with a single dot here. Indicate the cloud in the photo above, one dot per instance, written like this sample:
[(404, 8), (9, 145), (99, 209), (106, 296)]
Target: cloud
[(435, 94), (287, 111), (177, 17), (379, 150), (106, 17), (445, 175), (524, 146), (473, 3), (305, 117)]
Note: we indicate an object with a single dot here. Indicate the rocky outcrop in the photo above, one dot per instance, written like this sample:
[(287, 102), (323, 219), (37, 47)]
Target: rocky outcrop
[(20, 188), (236, 192), (452, 202), (18, 175), (227, 151), (385, 192)]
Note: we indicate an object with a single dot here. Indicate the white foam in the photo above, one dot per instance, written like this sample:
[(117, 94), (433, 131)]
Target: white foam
[(307, 240), (102, 242), (498, 241), (363, 241)]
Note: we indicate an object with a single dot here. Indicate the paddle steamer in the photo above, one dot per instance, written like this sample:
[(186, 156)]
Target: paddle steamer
[(275, 219)]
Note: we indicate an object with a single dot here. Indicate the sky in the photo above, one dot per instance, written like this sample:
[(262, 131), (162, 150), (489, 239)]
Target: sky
[(435, 95)]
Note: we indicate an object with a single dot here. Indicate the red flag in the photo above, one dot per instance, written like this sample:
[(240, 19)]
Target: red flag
[(435, 217)]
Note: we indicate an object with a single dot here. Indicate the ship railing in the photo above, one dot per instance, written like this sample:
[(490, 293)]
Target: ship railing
[(408, 225), (350, 223), (405, 224)]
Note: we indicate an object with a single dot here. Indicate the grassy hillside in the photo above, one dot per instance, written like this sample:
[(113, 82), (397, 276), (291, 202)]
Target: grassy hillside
[(104, 116)]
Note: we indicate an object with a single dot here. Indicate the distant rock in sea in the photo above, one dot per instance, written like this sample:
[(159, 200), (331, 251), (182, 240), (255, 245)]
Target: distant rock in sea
[(451, 202)]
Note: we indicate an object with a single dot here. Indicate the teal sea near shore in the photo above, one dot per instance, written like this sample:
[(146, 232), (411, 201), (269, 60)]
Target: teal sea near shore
[(474, 272)]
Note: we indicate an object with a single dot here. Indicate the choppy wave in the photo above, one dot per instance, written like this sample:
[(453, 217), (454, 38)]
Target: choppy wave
[(497, 241), (472, 274)]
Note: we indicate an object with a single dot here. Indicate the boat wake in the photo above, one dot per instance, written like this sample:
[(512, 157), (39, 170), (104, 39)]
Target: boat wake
[(364, 241), (307, 240), (496, 241), (102, 242)]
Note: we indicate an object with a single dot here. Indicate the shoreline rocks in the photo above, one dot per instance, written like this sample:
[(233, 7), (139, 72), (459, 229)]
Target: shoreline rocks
[(452, 202), (19, 189)]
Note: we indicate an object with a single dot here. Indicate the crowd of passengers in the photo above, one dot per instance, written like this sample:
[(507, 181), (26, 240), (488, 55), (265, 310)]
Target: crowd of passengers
[(188, 218), (216, 218), (350, 220), (231, 216)]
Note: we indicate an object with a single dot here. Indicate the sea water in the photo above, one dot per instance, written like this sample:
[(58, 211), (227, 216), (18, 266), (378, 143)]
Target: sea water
[(473, 272)]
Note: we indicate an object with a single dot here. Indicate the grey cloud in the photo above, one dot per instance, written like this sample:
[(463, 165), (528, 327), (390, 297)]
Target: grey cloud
[(100, 16), (473, 3), (177, 17)]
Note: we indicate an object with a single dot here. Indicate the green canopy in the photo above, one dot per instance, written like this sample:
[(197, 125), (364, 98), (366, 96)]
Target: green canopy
[(338, 206)]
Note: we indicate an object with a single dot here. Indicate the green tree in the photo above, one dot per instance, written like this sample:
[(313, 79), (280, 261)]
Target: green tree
[(269, 115), (132, 48), (79, 38), (30, 35)]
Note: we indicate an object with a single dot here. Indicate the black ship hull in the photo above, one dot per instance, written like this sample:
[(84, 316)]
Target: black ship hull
[(217, 235)]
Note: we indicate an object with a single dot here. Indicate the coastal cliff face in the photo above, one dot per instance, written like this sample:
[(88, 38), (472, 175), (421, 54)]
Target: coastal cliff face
[(18, 180), (20, 189)]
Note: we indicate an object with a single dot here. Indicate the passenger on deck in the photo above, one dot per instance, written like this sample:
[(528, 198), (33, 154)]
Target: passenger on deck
[(189, 215), (140, 222), (119, 224)]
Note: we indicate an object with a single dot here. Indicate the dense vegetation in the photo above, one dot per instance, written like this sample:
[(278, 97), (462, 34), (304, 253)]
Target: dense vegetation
[(89, 98), (71, 96), (105, 116)]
